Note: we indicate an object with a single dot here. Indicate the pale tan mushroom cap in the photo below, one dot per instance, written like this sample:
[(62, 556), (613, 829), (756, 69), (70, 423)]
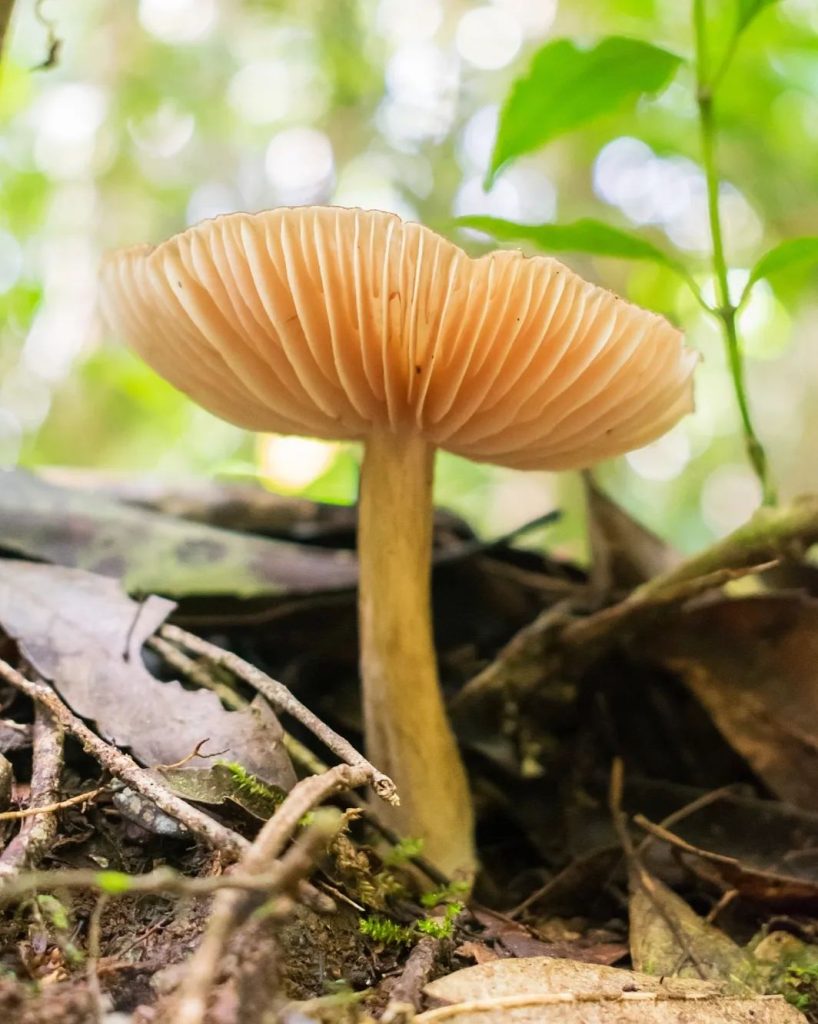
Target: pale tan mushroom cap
[(332, 323)]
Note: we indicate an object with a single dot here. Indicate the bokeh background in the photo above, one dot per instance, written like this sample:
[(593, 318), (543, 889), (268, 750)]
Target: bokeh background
[(159, 113)]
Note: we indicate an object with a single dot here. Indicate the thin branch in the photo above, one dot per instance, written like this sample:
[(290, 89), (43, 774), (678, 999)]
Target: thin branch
[(282, 700), (197, 673), (94, 953), (201, 674), (638, 873), (162, 881), (59, 805), (230, 908), (36, 836), (123, 767)]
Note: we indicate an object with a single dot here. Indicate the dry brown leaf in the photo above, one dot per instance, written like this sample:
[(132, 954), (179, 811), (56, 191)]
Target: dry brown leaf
[(84, 635), (627, 1010), (753, 664), (541, 990), (547, 975), (776, 890)]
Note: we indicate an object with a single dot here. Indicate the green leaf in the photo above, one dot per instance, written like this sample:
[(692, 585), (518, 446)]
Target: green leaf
[(567, 86), (790, 255), (587, 235), (748, 10)]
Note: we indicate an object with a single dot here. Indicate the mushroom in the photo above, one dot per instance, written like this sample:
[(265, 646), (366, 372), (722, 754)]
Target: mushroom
[(350, 324)]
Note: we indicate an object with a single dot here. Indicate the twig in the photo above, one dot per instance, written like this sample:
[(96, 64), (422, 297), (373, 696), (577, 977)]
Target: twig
[(228, 908), (404, 999), (197, 673), (123, 767), (556, 644), (705, 800), (721, 904), (36, 835), (94, 952), (162, 881), (638, 871), (59, 805), (282, 700), (200, 674)]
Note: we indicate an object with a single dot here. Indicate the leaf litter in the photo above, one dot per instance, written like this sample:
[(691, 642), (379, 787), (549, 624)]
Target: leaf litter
[(84, 635), (700, 676)]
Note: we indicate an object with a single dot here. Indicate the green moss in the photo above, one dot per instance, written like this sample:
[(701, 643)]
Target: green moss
[(403, 851), (799, 986), (389, 933), (445, 894)]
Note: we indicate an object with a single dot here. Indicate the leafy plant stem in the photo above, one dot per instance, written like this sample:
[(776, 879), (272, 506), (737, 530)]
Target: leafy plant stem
[(725, 310)]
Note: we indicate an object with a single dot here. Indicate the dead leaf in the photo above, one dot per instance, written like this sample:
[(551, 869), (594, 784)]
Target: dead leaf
[(623, 552), (154, 553), (480, 952), (669, 939), (541, 991), (14, 736), (518, 940), (546, 975), (83, 634), (753, 663), (218, 784), (776, 890), (557, 1009)]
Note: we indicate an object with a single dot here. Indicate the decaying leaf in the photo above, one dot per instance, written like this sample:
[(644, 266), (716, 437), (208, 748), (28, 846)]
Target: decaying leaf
[(84, 635), (518, 940), (541, 990), (14, 736), (776, 890), (221, 783), (546, 975), (154, 553), (669, 939), (559, 1008), (753, 664)]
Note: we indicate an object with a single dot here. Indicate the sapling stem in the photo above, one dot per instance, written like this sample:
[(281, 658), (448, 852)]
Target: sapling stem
[(725, 310), (407, 730)]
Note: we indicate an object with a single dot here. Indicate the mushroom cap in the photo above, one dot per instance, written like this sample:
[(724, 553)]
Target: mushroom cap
[(333, 323)]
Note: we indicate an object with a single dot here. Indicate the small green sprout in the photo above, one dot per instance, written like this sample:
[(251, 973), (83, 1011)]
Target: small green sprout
[(404, 850)]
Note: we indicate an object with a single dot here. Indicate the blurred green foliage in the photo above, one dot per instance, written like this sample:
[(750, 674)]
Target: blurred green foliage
[(161, 112)]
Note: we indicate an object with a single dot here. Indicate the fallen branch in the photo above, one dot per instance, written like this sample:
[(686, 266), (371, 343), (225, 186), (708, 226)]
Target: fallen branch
[(35, 837), (196, 672), (163, 881), (201, 675), (230, 908), (406, 995), (123, 766), (559, 641), (282, 700)]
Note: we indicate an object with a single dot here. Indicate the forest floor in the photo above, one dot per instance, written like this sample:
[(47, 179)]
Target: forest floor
[(642, 745)]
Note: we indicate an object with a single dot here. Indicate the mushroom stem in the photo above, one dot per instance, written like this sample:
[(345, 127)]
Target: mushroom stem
[(408, 735)]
